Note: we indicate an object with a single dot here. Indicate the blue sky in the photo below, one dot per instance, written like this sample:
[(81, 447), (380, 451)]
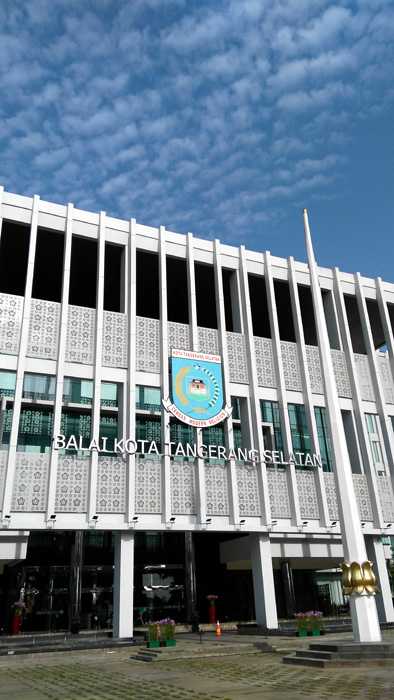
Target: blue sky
[(224, 118)]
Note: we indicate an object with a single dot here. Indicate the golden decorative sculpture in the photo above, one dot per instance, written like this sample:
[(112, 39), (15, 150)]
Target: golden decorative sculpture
[(358, 578)]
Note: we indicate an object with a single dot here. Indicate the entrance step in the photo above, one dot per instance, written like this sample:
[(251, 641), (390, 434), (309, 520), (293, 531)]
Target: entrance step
[(342, 654), (305, 661)]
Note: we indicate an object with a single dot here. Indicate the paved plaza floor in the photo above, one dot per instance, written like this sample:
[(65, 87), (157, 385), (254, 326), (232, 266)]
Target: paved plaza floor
[(231, 668)]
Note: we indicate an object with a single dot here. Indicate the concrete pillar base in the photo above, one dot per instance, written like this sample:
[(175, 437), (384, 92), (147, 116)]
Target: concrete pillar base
[(123, 585), (263, 581)]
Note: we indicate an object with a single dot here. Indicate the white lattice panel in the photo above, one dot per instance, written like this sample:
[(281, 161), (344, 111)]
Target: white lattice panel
[(314, 369), (80, 335), (72, 484), (341, 373), (178, 336), (291, 365), (3, 465), (236, 352), (11, 308), (44, 324), (265, 366), (386, 498), (306, 486), (147, 486), (278, 493), (248, 490), (331, 494), (183, 488), (208, 340), (111, 485), (216, 488), (115, 339), (148, 344), (362, 495), (386, 378), (30, 482), (364, 377)]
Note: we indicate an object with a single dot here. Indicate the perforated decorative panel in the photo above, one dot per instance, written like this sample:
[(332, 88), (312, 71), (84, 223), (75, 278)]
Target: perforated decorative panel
[(236, 352), (331, 494), (43, 339), (80, 335), (178, 336), (72, 484), (183, 488), (362, 495), (266, 375), (386, 497), (278, 493), (341, 373), (148, 344), (291, 366), (386, 378), (248, 490), (306, 485), (364, 377), (314, 369), (147, 486), (111, 485), (3, 464), (216, 489), (11, 309), (30, 482), (208, 340), (115, 339)]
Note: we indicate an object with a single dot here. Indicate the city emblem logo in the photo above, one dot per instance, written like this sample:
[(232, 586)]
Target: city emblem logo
[(197, 389)]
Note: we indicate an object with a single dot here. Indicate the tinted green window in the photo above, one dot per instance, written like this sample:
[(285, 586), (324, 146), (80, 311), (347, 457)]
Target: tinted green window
[(7, 383), (75, 423), (5, 427), (213, 435), (236, 406), (148, 398), (109, 429), (324, 438), (77, 390), (148, 428), (270, 414), (237, 436), (35, 430), (109, 394), (300, 436), (39, 386), (180, 432)]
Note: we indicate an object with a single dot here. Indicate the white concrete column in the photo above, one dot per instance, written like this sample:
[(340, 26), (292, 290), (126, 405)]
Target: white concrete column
[(389, 338), (131, 297), (307, 391), (384, 600), (1, 207), (57, 411), (123, 604), (228, 424), (363, 608), (282, 397), (165, 384), (263, 581), (97, 369), (10, 469)]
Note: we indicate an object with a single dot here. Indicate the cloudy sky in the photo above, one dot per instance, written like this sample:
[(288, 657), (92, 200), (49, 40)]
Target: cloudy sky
[(220, 117)]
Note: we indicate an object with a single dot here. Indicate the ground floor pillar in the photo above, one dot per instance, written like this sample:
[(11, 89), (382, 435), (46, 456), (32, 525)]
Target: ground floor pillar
[(263, 581), (123, 585), (288, 588), (384, 601), (76, 582), (190, 580)]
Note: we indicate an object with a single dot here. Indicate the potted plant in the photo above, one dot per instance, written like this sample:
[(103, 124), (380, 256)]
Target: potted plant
[(302, 624), (309, 623), (153, 635), (315, 622), (167, 632)]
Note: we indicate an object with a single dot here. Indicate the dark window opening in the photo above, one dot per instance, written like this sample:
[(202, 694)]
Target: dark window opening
[(390, 309), (375, 321), (331, 321), (307, 315), (284, 311), (259, 306), (148, 297), (177, 290), (354, 322), (205, 296), (232, 303), (113, 277), (14, 252), (83, 273), (48, 266)]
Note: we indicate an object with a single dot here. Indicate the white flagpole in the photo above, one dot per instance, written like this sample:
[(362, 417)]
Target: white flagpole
[(362, 606)]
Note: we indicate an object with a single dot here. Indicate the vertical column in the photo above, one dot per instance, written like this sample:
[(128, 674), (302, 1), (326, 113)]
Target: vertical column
[(190, 580), (124, 585), (96, 408), (228, 426), (1, 207), (57, 414), (263, 581), (193, 325), (282, 398), (288, 588), (389, 337), (310, 413), (384, 600), (10, 470), (255, 424), (131, 296), (165, 388), (76, 563), (357, 401)]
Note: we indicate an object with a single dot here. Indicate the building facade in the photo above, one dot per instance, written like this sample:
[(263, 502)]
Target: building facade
[(91, 310)]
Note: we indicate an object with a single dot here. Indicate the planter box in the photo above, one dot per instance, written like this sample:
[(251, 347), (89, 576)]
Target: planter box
[(154, 644), (168, 643), (302, 633), (315, 633)]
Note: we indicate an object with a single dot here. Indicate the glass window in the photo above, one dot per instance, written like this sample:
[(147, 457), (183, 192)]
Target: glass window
[(324, 438), (180, 432), (7, 383), (75, 423), (35, 430), (148, 398), (77, 390), (236, 406), (213, 435), (270, 414), (237, 436), (109, 429), (149, 428), (373, 429), (5, 427), (300, 437), (39, 386), (109, 394)]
